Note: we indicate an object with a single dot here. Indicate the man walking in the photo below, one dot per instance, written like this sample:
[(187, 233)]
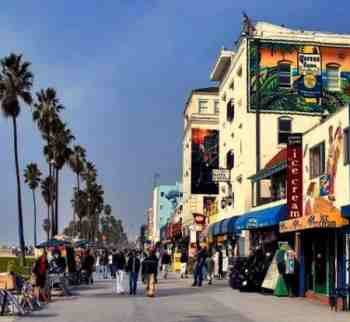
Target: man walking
[(119, 264), (133, 268), (200, 262), (149, 271), (166, 261)]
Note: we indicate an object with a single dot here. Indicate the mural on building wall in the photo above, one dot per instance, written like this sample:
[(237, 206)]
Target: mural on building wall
[(298, 78), (319, 204), (205, 158)]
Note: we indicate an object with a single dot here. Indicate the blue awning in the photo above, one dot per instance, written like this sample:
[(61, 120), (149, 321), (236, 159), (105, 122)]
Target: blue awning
[(224, 227), (345, 211), (262, 218)]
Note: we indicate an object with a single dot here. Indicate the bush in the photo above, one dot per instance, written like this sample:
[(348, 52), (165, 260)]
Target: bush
[(12, 264)]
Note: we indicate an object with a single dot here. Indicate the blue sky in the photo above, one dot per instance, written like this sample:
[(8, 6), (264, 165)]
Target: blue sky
[(124, 70)]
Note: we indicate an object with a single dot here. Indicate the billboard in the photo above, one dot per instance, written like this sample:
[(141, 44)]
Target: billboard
[(205, 158), (298, 77)]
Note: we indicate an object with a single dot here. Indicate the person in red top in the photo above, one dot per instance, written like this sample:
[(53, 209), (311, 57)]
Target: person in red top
[(40, 269)]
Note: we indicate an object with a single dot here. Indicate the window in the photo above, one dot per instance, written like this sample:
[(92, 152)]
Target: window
[(216, 107), (317, 160), (347, 146), (284, 129), (284, 74), (333, 77), (230, 112), (203, 106), (230, 160)]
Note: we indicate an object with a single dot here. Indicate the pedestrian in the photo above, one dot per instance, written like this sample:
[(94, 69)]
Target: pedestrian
[(166, 262), (221, 262), (199, 266), (111, 267), (98, 266), (119, 264), (104, 264), (40, 270), (88, 266), (149, 271), (184, 261), (133, 269), (209, 263)]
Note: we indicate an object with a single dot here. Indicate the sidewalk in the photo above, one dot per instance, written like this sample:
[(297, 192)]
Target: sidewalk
[(268, 308)]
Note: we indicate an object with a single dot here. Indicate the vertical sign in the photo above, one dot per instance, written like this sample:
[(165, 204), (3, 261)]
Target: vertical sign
[(295, 175)]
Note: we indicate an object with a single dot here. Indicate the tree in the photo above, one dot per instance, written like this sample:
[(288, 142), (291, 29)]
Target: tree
[(77, 164), (60, 145), (16, 81), (32, 176), (46, 114), (48, 193)]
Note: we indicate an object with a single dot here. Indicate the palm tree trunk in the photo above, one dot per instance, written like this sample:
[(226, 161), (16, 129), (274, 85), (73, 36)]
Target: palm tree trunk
[(19, 195), (49, 234), (35, 232), (56, 212)]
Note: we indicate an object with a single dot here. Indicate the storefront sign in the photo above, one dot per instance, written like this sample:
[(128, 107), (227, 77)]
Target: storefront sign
[(221, 175), (333, 219), (295, 176)]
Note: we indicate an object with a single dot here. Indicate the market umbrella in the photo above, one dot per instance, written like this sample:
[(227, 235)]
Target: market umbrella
[(53, 243)]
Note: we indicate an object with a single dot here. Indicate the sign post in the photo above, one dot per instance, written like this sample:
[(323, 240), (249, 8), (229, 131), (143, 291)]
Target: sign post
[(221, 175)]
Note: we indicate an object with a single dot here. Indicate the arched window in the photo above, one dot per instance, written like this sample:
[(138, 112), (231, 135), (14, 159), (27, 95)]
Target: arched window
[(230, 111), (230, 160), (333, 77), (284, 74)]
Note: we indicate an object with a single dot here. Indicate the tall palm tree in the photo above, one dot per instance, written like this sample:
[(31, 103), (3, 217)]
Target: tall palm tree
[(61, 141), (48, 193), (77, 164), (46, 114), (32, 176), (16, 81)]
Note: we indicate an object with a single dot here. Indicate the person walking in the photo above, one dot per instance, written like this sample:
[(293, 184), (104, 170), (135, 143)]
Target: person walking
[(209, 263), (199, 265), (133, 269), (104, 263), (88, 266), (40, 271), (119, 264), (184, 261), (166, 262), (149, 271)]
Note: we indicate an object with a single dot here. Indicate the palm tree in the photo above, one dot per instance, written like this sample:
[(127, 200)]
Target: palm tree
[(61, 152), (77, 164), (32, 176), (46, 115), (16, 81), (48, 193)]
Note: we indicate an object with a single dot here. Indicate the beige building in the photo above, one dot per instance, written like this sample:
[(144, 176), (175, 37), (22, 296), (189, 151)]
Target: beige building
[(238, 120), (201, 112)]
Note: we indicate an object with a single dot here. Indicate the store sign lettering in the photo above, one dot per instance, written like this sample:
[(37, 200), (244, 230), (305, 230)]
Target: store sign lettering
[(295, 176)]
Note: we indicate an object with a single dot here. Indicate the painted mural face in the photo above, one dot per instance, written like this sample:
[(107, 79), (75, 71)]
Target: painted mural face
[(299, 77), (205, 158)]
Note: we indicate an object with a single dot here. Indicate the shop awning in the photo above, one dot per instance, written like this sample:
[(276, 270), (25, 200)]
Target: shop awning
[(223, 227), (261, 218)]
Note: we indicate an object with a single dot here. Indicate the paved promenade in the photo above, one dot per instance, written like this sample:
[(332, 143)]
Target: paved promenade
[(177, 301)]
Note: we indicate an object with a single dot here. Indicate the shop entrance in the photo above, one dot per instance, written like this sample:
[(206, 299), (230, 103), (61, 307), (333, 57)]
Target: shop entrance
[(319, 251)]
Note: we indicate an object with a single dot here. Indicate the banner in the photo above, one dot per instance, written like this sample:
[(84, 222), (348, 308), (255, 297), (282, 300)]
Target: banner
[(295, 176)]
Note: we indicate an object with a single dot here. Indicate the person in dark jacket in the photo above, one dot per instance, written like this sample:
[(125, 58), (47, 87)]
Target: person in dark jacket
[(119, 263), (199, 266), (149, 271), (166, 261), (133, 269), (88, 265)]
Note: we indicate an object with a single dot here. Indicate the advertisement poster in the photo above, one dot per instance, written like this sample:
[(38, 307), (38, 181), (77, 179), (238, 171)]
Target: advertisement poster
[(298, 77), (205, 158)]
